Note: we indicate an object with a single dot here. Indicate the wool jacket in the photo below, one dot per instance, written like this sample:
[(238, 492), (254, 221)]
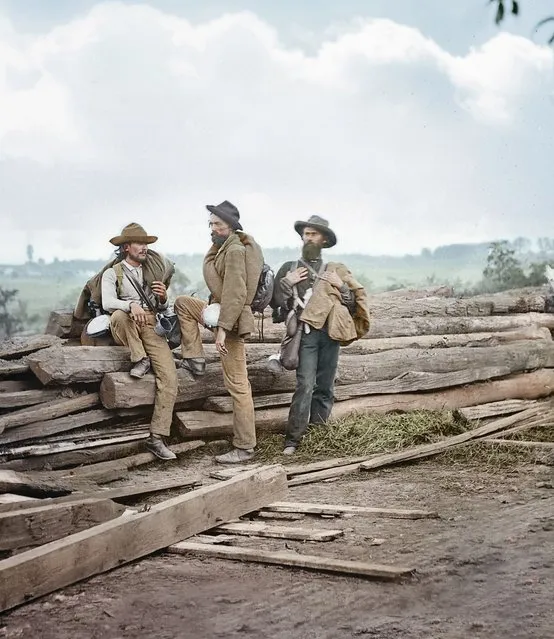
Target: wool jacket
[(232, 273)]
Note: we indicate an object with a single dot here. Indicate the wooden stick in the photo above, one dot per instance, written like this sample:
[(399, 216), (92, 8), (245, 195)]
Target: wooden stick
[(60, 563), (259, 529), (343, 509), (283, 558)]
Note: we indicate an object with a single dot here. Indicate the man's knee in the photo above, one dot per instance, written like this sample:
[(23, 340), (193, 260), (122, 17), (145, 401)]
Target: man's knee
[(182, 303), (119, 318)]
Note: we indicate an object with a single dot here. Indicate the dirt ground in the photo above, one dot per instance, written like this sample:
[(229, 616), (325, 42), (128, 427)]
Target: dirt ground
[(484, 569)]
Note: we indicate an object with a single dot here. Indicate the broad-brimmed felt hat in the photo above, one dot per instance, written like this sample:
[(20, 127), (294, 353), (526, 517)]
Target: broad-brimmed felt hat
[(228, 213), (319, 224), (133, 233)]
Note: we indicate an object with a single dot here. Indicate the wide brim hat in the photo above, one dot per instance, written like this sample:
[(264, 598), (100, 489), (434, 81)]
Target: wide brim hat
[(133, 233), (227, 212), (319, 224)]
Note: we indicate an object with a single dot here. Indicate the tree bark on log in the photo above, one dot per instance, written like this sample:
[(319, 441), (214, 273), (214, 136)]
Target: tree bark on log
[(18, 346), (118, 390), (527, 386), (13, 367)]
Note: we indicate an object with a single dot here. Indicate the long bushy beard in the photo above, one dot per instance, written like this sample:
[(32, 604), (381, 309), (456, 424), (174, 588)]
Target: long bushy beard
[(311, 251), (218, 240)]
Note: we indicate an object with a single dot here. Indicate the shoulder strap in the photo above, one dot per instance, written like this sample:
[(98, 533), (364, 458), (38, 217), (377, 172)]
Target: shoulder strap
[(138, 289)]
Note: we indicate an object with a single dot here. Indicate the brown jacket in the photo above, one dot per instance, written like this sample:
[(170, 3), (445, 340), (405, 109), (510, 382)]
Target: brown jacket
[(325, 306), (232, 272)]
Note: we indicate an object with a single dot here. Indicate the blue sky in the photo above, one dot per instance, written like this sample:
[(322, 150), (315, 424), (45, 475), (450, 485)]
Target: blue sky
[(408, 124)]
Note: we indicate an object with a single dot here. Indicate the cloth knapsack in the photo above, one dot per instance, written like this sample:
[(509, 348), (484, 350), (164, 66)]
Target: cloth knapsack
[(264, 292)]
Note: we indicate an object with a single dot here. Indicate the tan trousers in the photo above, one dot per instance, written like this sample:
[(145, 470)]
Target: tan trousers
[(143, 342), (235, 376)]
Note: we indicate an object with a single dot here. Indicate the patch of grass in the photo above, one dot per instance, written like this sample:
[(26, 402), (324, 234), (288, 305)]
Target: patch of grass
[(365, 434), (489, 457)]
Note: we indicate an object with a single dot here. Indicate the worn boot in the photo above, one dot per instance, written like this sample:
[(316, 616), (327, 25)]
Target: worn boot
[(140, 368), (236, 456), (195, 365), (156, 446), (289, 450)]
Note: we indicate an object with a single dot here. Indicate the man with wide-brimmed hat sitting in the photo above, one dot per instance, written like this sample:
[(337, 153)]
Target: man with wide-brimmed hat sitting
[(132, 322), (330, 309), (232, 268)]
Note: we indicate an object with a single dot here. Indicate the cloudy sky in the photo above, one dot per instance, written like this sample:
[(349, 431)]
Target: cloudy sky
[(407, 124)]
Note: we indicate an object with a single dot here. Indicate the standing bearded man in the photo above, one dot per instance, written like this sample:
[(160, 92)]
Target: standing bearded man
[(332, 310), (232, 269), (132, 322)]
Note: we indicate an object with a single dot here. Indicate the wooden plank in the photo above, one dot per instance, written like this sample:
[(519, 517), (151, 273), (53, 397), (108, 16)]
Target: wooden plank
[(19, 399), (43, 524), (224, 404), (320, 475), (16, 385), (543, 419), (58, 425), (13, 367), (94, 471), (519, 443), (30, 450), (301, 469), (60, 563), (11, 501), (284, 558), (343, 509), (428, 450), (16, 347), (12, 482), (295, 533), (495, 409), (49, 410)]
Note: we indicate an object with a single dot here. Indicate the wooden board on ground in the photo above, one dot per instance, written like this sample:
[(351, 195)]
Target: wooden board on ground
[(519, 443), (12, 482), (18, 346), (294, 560), (428, 450), (42, 524), (344, 509), (295, 533), (60, 563), (48, 410)]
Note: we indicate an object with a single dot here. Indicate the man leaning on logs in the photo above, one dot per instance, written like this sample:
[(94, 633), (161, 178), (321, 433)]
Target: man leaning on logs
[(330, 309)]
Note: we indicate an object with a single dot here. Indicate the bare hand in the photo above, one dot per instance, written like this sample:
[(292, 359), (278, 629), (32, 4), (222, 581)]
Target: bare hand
[(220, 341), (138, 314), (299, 274), (160, 291), (332, 278)]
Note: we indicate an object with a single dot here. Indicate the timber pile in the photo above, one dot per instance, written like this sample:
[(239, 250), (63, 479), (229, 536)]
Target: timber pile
[(74, 409)]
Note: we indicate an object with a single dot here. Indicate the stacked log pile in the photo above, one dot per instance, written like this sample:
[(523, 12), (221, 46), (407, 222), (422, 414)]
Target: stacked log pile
[(63, 405)]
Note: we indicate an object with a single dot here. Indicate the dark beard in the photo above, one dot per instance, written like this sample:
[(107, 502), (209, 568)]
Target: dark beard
[(218, 240), (311, 251)]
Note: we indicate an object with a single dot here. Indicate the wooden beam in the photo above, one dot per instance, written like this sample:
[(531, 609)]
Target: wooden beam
[(321, 475), (495, 409), (61, 563), (13, 367), (19, 399), (58, 425), (12, 482), (284, 558), (123, 494), (295, 533), (42, 524), (18, 346), (49, 410), (97, 471), (343, 509)]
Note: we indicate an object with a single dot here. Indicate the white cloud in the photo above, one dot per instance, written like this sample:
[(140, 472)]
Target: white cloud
[(132, 114)]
